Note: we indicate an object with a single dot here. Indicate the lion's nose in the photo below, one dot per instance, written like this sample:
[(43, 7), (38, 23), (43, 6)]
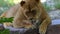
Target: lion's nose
[(32, 20)]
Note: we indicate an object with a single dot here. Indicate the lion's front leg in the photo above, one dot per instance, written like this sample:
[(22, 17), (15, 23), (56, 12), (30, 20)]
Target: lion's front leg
[(44, 25), (21, 22), (17, 23)]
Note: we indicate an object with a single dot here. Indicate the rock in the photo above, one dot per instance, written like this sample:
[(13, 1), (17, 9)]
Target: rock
[(22, 31), (32, 31), (19, 31), (54, 29), (56, 22), (1, 27), (55, 14)]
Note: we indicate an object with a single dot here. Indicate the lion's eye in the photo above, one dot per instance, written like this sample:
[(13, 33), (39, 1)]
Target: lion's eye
[(33, 11)]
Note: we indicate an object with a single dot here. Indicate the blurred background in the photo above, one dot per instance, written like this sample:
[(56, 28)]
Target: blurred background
[(51, 6)]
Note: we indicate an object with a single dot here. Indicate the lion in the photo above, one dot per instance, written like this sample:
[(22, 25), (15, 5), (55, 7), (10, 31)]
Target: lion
[(28, 13)]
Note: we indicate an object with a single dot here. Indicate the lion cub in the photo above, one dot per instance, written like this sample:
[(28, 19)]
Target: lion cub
[(30, 11)]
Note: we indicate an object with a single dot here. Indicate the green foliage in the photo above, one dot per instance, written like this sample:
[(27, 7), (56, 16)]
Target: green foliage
[(57, 6), (6, 31), (47, 8), (4, 19), (6, 3)]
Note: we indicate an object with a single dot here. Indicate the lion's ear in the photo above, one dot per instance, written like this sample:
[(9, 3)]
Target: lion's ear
[(22, 3)]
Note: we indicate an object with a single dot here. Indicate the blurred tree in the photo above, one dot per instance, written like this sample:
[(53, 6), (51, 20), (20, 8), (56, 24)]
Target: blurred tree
[(47, 8), (6, 31), (57, 4), (5, 4)]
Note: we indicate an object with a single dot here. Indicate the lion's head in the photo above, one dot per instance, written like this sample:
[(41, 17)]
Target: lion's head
[(30, 8)]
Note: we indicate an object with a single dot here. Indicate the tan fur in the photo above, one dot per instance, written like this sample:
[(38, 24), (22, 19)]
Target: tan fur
[(6, 24), (25, 12), (11, 12)]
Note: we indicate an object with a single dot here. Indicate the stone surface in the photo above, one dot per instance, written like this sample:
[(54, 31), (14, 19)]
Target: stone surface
[(1, 27), (55, 29), (56, 22), (55, 14)]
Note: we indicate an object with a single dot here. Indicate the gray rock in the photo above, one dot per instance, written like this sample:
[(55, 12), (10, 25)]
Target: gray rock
[(56, 22), (55, 14), (1, 27)]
